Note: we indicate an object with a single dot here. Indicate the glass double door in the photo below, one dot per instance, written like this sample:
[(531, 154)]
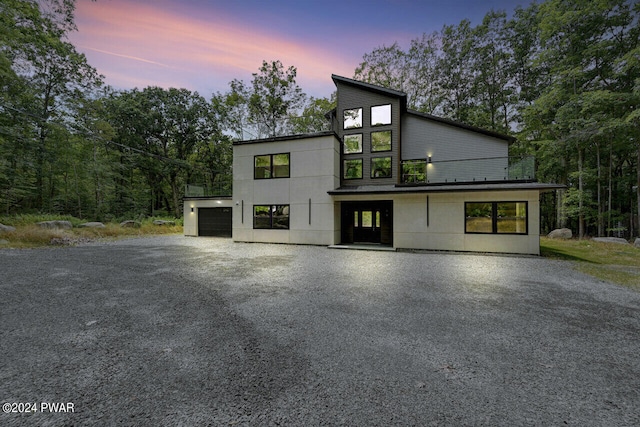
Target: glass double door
[(367, 222)]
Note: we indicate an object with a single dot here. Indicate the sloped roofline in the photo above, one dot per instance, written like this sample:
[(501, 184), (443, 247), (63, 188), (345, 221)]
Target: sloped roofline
[(403, 103)]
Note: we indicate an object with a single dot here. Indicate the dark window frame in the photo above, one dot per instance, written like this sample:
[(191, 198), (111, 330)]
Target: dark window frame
[(372, 170), (344, 143), (344, 122), (390, 141), (390, 115), (271, 209), (271, 166), (494, 218), (344, 169)]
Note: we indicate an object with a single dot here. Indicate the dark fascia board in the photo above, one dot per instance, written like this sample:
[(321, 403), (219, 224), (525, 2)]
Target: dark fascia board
[(287, 137), (450, 188), (450, 122), (373, 88)]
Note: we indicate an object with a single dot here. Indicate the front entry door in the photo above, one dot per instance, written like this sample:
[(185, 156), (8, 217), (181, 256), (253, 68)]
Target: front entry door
[(366, 225), (367, 222)]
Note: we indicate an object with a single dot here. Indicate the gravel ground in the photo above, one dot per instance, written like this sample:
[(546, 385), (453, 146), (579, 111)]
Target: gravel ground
[(203, 331)]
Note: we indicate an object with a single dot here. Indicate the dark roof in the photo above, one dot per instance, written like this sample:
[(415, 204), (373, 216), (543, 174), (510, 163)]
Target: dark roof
[(439, 188), (287, 137), (371, 87), (461, 125)]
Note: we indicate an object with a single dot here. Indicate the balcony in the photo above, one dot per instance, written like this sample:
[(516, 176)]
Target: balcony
[(221, 188), (493, 169)]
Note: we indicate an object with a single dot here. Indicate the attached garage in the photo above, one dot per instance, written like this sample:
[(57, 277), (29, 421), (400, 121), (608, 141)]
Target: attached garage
[(214, 222), (208, 216)]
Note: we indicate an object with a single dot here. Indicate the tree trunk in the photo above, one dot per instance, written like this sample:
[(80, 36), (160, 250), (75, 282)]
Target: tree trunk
[(600, 221), (638, 191), (580, 195)]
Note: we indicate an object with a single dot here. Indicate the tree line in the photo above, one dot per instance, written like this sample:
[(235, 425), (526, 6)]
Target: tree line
[(562, 76)]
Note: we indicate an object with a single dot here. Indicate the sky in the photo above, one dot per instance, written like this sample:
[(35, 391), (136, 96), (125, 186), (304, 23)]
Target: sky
[(202, 45)]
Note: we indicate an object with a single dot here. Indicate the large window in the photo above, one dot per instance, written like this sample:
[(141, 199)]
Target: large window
[(381, 141), (352, 143), (381, 167), (352, 169), (271, 217), (381, 115), (353, 118), (271, 166), (496, 217)]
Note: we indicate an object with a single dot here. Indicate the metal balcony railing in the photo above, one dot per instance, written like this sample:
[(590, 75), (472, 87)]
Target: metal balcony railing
[(424, 171), (222, 188)]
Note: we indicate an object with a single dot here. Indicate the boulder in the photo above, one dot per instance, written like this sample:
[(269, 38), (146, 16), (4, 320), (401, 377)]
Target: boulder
[(610, 240), (130, 224), (6, 228), (560, 233), (57, 224), (637, 243), (93, 224), (4, 242), (163, 222)]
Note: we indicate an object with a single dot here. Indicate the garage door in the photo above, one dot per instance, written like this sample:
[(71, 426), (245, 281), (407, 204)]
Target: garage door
[(214, 222)]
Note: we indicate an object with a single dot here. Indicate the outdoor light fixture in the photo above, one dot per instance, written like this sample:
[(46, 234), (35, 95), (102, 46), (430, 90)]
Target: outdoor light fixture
[(192, 209), (429, 160)]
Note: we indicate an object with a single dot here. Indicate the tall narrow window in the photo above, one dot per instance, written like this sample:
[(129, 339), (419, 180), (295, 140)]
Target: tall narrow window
[(381, 115), (353, 118), (271, 166)]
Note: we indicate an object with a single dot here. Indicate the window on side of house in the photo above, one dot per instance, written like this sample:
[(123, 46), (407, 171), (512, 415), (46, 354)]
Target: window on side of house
[(496, 217), (352, 169), (352, 144), (352, 118), (381, 115), (269, 217), (271, 166), (381, 167), (381, 141)]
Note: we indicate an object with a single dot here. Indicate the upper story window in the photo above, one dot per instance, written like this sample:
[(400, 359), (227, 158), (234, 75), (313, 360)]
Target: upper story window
[(353, 118), (381, 141), (352, 144), (271, 166), (381, 115), (352, 169), (381, 167)]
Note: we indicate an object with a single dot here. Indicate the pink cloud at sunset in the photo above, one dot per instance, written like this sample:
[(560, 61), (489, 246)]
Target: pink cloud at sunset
[(139, 44)]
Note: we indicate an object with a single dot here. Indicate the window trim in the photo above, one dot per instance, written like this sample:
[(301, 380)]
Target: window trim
[(390, 166), (344, 169), (271, 156), (390, 115), (271, 211), (344, 122), (344, 144), (390, 141), (494, 218)]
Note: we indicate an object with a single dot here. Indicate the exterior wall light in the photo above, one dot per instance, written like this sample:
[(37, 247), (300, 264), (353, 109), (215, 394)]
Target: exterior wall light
[(429, 159), (191, 209)]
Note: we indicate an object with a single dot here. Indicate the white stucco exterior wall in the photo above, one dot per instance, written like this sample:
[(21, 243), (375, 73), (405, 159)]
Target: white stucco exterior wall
[(314, 169), (190, 219)]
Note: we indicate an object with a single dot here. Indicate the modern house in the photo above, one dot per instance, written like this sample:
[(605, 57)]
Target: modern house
[(383, 175)]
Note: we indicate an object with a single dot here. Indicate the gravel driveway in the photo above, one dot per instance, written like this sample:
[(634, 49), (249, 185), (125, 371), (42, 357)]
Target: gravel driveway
[(203, 331)]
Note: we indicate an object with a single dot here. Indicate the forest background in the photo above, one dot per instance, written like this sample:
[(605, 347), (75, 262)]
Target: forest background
[(561, 76)]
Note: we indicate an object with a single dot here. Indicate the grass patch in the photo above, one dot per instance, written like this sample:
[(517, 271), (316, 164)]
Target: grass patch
[(611, 262), (30, 235)]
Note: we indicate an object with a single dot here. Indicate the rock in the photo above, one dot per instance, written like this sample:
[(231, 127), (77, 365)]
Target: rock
[(4, 242), (6, 228), (560, 233), (57, 224), (93, 224), (163, 222), (637, 243), (610, 240), (130, 224)]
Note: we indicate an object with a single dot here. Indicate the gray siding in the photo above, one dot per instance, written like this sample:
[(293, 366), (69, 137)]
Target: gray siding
[(351, 97), (422, 137)]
